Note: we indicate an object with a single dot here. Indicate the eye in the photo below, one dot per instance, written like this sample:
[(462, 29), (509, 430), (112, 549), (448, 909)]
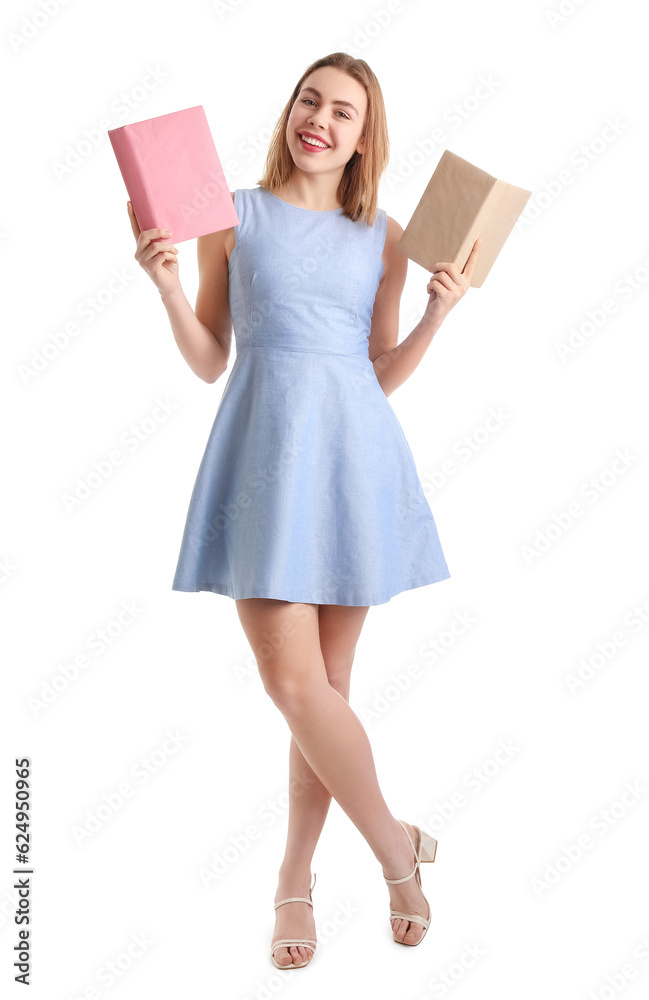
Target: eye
[(309, 99)]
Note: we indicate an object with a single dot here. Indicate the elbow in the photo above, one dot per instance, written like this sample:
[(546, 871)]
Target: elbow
[(380, 373), (218, 360), (213, 375)]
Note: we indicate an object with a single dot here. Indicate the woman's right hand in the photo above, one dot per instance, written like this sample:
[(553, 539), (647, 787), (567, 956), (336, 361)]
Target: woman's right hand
[(155, 255)]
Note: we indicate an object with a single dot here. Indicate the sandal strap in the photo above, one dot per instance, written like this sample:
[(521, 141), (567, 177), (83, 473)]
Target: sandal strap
[(293, 943), (298, 899), (417, 918), (417, 853), (395, 881), (405, 830), (294, 899)]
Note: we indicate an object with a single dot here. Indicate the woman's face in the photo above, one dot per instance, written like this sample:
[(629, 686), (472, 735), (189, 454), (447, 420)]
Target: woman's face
[(334, 114)]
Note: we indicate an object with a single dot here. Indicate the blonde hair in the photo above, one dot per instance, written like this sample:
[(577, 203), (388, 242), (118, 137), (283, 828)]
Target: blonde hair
[(358, 190)]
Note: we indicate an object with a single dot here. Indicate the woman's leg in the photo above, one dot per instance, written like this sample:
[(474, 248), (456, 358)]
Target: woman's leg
[(285, 640), (339, 628)]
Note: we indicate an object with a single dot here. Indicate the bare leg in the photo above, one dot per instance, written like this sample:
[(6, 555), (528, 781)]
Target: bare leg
[(284, 638), (309, 800)]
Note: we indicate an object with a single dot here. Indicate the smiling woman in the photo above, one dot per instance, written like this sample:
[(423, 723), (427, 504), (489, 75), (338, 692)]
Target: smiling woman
[(307, 508), (338, 105)]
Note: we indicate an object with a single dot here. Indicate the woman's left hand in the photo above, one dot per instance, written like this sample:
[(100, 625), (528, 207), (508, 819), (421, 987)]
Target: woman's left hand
[(448, 284)]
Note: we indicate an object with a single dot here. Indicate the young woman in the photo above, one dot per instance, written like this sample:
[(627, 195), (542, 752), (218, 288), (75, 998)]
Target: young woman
[(307, 509)]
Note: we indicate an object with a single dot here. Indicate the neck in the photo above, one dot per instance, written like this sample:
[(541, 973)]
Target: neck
[(318, 193)]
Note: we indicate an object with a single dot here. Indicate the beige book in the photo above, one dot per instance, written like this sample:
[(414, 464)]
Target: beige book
[(460, 203)]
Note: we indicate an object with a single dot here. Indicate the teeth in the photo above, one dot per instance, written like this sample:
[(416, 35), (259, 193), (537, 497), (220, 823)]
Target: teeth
[(313, 142)]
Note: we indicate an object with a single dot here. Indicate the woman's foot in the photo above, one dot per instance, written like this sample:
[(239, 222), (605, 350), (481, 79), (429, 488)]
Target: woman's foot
[(406, 896), (293, 920)]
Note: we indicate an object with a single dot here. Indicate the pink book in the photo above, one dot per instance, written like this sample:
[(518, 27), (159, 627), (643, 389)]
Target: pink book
[(173, 174)]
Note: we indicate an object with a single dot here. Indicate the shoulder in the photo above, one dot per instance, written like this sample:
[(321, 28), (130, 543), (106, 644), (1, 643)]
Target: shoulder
[(393, 232)]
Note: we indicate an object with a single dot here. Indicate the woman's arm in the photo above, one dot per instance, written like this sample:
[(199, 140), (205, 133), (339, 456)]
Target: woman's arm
[(395, 366), (204, 334), (395, 362)]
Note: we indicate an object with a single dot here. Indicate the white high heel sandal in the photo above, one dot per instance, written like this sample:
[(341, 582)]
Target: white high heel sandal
[(425, 850), (294, 943)]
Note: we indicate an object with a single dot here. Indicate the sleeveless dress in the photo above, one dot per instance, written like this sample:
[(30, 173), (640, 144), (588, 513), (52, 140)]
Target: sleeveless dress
[(307, 490)]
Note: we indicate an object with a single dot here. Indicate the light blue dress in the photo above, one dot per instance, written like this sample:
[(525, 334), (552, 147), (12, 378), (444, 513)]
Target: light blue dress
[(307, 490)]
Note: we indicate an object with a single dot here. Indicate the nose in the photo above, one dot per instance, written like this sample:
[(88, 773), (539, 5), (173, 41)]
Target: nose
[(313, 119)]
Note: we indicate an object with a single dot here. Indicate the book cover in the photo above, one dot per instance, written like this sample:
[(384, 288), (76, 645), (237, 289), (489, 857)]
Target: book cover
[(173, 175), (460, 203)]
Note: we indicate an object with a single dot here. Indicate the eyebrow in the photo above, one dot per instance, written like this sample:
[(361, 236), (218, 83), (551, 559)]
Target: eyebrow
[(317, 93)]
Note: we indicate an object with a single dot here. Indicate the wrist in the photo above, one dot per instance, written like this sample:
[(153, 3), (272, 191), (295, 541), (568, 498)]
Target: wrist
[(431, 322), (171, 295)]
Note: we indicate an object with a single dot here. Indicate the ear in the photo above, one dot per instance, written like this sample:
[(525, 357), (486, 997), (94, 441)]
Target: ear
[(360, 145)]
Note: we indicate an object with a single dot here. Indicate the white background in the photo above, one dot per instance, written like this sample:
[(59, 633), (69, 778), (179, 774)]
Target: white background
[(544, 917)]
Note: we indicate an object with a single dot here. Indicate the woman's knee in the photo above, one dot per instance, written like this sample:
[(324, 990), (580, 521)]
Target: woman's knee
[(292, 690), (284, 639), (300, 646)]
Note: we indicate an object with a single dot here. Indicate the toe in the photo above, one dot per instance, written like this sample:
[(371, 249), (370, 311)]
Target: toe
[(406, 931), (283, 956), (413, 934)]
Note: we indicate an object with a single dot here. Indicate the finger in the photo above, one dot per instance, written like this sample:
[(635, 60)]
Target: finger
[(164, 255), (469, 267), (147, 235), (447, 267), (157, 246), (131, 215), (444, 279), (438, 288), (144, 241)]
